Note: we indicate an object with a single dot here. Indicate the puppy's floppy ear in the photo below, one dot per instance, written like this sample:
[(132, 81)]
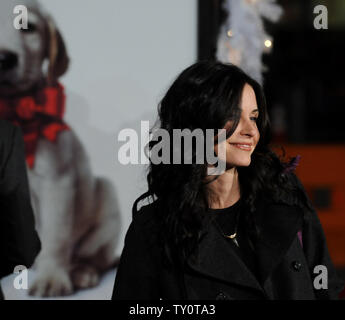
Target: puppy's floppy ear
[(55, 52)]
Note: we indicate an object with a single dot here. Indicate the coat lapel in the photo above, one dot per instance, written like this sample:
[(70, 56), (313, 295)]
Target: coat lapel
[(217, 258), (278, 225)]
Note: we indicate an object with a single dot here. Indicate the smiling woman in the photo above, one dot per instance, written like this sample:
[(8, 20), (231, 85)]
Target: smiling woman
[(248, 233), (246, 135)]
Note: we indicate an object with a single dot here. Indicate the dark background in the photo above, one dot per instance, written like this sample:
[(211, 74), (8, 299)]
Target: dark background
[(306, 67)]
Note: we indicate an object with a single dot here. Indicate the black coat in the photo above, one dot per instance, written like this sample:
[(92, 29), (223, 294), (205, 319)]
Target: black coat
[(19, 242), (285, 267)]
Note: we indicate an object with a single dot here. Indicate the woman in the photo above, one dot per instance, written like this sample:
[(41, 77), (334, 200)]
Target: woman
[(249, 233), (19, 242)]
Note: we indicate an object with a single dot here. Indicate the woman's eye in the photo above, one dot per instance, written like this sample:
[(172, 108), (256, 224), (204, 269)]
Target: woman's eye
[(254, 119)]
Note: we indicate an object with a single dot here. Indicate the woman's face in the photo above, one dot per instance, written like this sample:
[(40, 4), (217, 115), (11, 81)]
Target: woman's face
[(241, 144)]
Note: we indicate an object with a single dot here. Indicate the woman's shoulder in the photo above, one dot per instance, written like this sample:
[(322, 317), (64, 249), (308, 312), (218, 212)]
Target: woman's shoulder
[(146, 216), (287, 206), (289, 192), (143, 230)]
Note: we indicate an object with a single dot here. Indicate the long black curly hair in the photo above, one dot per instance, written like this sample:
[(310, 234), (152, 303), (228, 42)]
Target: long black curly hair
[(206, 95)]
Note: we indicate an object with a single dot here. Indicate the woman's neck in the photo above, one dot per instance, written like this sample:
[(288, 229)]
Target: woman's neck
[(225, 190)]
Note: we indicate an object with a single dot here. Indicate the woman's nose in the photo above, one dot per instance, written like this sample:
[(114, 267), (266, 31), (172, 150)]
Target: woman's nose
[(248, 127)]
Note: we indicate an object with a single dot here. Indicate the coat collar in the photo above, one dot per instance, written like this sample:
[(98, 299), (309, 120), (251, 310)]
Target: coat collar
[(278, 225)]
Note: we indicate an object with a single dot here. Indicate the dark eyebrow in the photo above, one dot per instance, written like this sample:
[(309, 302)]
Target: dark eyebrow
[(255, 111)]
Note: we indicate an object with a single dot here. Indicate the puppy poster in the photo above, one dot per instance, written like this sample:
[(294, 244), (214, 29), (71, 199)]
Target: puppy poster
[(72, 79), (76, 212)]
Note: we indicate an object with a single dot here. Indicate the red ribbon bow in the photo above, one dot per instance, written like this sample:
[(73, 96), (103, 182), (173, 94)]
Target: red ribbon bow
[(39, 116)]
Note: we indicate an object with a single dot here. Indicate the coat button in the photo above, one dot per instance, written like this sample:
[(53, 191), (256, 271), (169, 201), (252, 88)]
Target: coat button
[(221, 296), (296, 265)]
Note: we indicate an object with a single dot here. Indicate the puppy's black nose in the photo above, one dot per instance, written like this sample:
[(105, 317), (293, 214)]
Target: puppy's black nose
[(8, 60)]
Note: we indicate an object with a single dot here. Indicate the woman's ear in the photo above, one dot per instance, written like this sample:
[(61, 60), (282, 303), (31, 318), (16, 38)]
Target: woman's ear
[(56, 53)]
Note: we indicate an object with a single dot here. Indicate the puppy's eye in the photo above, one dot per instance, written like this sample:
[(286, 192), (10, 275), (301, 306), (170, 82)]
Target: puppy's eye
[(30, 29)]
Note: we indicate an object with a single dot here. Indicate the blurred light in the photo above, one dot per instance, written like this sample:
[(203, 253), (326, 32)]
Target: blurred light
[(229, 33), (268, 43)]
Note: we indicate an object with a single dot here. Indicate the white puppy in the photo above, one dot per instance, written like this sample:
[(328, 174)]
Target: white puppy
[(76, 214)]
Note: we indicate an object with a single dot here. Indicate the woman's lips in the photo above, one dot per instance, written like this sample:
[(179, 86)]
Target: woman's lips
[(246, 147)]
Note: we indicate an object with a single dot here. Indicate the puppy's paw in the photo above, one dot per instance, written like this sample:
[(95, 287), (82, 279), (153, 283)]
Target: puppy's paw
[(51, 283), (85, 276)]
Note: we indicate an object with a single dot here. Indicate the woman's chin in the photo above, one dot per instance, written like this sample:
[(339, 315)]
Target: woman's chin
[(239, 163)]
